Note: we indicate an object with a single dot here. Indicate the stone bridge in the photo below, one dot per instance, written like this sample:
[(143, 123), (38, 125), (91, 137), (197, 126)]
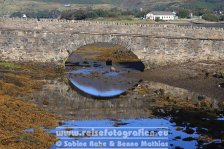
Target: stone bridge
[(156, 44)]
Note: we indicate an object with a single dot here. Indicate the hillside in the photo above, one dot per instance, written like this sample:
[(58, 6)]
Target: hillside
[(9, 6)]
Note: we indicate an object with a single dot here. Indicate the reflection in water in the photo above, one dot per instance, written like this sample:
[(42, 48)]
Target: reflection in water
[(175, 137), (184, 128), (95, 92), (102, 82), (58, 97)]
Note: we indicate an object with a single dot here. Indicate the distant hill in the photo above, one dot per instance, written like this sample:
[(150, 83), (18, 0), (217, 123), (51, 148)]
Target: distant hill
[(9, 6)]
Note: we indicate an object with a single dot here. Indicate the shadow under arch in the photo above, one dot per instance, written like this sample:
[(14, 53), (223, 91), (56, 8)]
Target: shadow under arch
[(103, 51), (99, 70)]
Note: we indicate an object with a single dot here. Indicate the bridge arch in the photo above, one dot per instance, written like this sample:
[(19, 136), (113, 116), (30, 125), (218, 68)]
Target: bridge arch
[(78, 41), (103, 51)]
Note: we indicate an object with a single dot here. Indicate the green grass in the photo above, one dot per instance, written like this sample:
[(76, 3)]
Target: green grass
[(9, 65), (75, 1), (130, 20), (10, 6)]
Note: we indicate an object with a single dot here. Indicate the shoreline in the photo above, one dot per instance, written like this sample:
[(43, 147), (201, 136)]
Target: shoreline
[(200, 77), (17, 114), (31, 77)]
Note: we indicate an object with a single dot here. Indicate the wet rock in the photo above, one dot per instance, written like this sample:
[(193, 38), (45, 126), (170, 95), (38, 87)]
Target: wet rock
[(61, 123), (85, 62), (96, 65), (1, 75), (178, 137), (221, 85), (45, 103), (177, 147), (206, 74), (105, 72), (179, 128), (205, 138), (119, 123), (113, 69), (189, 131), (109, 62), (159, 92), (189, 139), (218, 75), (201, 97), (68, 129), (206, 103), (162, 111)]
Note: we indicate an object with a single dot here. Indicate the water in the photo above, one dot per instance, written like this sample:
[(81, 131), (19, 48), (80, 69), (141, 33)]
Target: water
[(98, 80), (174, 138), (185, 128), (97, 92), (166, 133), (128, 113)]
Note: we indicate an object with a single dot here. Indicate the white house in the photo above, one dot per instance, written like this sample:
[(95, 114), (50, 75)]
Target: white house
[(162, 15), (24, 16), (67, 5)]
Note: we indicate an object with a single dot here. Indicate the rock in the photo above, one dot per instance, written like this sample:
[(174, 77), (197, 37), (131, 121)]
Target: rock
[(162, 111), (1, 75), (109, 62), (60, 123), (179, 128), (221, 85), (85, 62), (177, 137), (119, 123), (206, 74), (189, 130), (218, 75), (159, 92), (45, 103), (113, 69), (207, 103), (201, 97), (189, 139)]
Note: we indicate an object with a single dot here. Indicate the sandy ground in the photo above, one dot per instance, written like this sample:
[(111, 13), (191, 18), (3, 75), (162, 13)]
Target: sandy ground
[(202, 77)]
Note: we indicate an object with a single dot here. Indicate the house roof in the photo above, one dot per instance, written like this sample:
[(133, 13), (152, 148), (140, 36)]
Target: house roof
[(161, 13)]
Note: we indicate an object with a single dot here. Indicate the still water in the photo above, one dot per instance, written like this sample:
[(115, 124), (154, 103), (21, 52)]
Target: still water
[(132, 110), (169, 138), (101, 82)]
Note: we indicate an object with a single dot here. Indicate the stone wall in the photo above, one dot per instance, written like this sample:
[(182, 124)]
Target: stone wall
[(155, 45)]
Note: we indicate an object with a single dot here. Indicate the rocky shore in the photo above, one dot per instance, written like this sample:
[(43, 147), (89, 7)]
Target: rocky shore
[(38, 95), (16, 115)]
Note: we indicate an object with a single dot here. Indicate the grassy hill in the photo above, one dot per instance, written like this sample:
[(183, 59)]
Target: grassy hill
[(9, 6)]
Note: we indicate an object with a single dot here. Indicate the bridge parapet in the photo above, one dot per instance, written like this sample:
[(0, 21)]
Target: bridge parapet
[(160, 30)]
